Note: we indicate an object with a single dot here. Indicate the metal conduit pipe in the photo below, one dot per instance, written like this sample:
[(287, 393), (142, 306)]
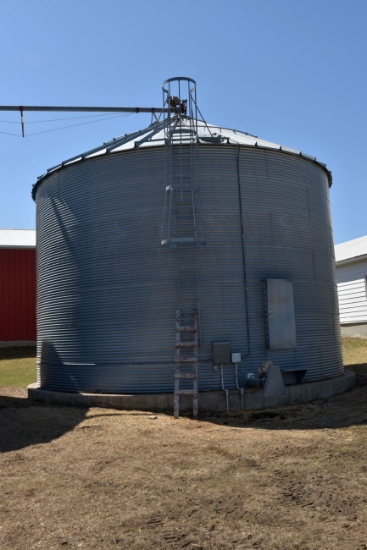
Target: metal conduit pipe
[(243, 249), (237, 384), (224, 389)]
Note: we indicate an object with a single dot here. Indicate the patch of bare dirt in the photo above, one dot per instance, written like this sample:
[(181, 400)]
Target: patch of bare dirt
[(289, 478)]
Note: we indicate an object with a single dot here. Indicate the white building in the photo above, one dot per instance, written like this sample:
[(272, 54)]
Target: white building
[(351, 275)]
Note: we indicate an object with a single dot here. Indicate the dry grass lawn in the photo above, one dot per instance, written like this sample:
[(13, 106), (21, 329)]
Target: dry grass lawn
[(289, 478)]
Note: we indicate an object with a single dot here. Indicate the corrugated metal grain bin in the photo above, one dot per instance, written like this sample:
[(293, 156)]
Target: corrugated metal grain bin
[(116, 258)]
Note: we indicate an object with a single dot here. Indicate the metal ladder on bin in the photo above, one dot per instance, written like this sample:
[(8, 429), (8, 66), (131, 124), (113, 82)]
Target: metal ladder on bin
[(183, 223), (186, 366)]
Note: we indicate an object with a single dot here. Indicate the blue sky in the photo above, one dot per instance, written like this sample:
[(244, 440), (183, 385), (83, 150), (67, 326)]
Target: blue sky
[(290, 71)]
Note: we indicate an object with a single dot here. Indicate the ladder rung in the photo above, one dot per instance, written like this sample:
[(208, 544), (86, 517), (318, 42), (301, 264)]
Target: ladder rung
[(183, 131), (186, 376), (186, 344), (184, 364), (186, 329), (182, 240)]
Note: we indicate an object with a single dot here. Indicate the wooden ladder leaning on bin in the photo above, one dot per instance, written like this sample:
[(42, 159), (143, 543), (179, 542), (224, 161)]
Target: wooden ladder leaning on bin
[(186, 366)]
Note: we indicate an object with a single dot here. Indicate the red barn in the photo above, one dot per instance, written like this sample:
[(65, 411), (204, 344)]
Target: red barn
[(17, 285)]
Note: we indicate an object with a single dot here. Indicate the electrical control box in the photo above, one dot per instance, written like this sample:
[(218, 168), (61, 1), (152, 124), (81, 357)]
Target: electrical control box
[(221, 353)]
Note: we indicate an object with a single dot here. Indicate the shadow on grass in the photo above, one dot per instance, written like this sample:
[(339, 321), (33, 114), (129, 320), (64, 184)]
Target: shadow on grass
[(361, 371), (20, 352), (24, 423)]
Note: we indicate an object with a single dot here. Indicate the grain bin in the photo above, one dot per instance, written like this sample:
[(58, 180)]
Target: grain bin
[(184, 216)]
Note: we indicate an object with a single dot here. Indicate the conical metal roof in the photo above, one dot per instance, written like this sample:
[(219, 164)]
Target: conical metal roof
[(154, 136)]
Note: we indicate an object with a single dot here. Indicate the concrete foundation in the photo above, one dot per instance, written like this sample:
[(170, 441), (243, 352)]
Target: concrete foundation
[(358, 330), (208, 401)]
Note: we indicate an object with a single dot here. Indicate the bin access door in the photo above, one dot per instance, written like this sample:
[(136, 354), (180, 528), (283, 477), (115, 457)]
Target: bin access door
[(279, 314)]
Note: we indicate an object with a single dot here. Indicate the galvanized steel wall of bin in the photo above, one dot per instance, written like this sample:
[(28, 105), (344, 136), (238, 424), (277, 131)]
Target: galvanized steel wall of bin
[(107, 289)]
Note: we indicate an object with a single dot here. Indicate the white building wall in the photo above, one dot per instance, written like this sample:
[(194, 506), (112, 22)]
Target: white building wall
[(352, 292)]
